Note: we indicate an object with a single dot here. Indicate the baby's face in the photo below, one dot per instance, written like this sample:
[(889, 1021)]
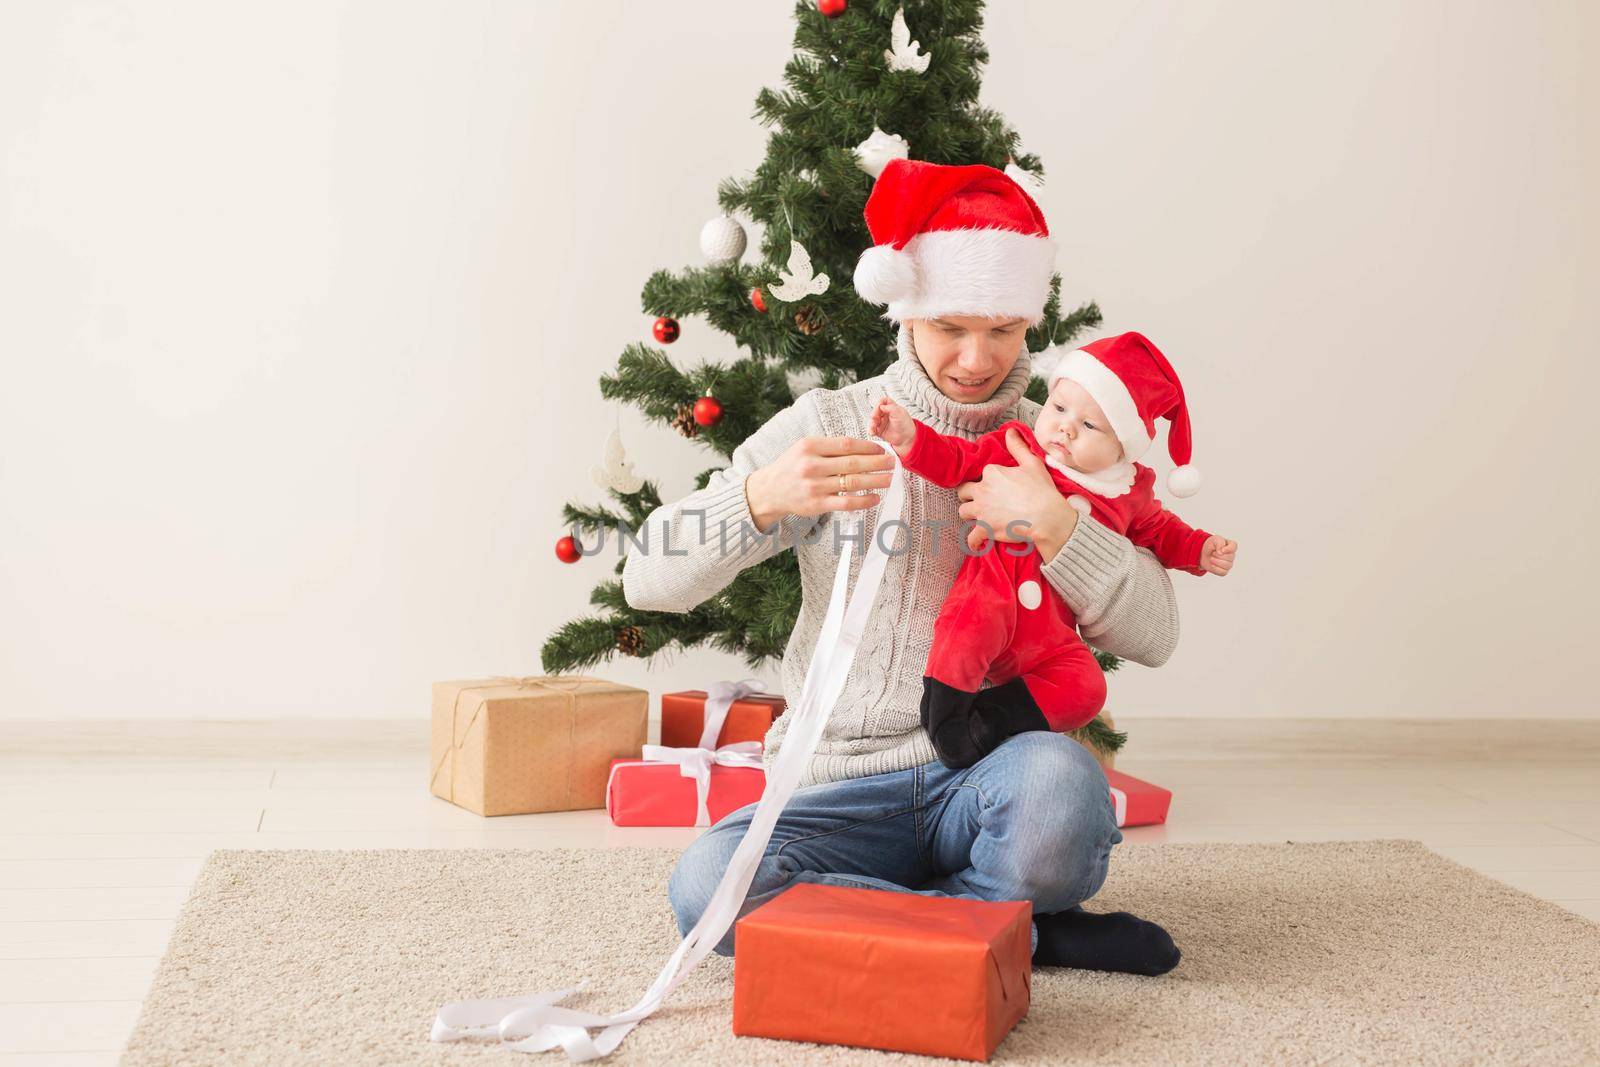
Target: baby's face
[(1072, 428)]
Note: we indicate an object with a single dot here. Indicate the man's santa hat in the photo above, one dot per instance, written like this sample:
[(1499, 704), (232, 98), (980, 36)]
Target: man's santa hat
[(1135, 385), (954, 240)]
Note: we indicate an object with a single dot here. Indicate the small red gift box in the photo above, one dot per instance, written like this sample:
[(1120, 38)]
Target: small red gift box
[(939, 976), (1138, 803), (683, 717), (644, 793)]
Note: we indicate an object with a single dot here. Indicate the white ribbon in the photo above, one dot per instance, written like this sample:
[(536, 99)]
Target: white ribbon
[(1119, 801), (719, 698), (535, 1023)]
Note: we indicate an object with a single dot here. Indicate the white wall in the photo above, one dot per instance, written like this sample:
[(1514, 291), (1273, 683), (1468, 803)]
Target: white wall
[(305, 304)]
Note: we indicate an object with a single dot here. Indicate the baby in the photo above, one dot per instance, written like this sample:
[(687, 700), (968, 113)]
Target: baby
[(1001, 620)]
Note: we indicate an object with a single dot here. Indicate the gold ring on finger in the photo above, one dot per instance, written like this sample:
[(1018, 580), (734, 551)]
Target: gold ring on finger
[(843, 486)]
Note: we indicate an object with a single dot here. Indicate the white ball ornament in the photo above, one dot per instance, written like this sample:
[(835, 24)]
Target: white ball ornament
[(722, 240), (1046, 360), (1184, 480)]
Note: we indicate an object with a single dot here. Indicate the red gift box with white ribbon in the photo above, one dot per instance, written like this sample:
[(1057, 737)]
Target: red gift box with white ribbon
[(690, 785), (683, 718), (644, 792), (1138, 803)]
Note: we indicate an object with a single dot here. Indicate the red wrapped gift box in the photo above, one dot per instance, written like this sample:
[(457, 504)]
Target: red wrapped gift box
[(939, 976), (683, 717), (1138, 803), (642, 793)]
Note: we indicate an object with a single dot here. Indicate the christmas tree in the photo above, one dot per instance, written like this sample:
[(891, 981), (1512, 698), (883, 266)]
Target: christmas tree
[(868, 81)]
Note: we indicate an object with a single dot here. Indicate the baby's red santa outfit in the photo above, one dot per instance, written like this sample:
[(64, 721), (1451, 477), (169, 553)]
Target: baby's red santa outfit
[(1000, 619)]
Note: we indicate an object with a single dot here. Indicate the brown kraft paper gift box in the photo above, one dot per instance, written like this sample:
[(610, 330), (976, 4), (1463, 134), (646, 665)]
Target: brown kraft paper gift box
[(511, 746)]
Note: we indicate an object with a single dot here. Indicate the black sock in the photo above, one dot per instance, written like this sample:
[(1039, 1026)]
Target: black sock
[(1115, 941)]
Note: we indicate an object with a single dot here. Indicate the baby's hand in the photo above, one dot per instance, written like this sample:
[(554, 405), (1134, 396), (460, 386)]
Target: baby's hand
[(1216, 555), (893, 423)]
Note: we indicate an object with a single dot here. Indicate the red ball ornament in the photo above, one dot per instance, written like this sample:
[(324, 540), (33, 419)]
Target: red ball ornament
[(831, 8), (708, 410), (758, 301), (567, 550), (666, 330)]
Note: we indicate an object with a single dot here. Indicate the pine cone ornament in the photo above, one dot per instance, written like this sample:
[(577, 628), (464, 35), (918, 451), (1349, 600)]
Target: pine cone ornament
[(630, 640), (810, 319), (684, 422)]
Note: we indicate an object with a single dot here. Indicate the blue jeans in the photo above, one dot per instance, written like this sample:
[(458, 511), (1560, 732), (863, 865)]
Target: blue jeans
[(1031, 821)]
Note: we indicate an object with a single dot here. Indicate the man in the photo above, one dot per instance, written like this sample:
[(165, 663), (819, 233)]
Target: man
[(963, 261)]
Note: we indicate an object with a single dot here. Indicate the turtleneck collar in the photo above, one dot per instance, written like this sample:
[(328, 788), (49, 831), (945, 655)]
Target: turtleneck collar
[(909, 385)]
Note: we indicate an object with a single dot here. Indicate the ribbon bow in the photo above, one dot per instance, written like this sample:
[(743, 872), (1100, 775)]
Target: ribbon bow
[(697, 762), (719, 699)]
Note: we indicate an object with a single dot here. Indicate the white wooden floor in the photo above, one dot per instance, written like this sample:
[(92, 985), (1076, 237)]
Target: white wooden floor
[(98, 847)]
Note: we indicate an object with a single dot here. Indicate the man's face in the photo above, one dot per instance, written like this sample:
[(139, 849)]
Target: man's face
[(966, 357), (1072, 428)]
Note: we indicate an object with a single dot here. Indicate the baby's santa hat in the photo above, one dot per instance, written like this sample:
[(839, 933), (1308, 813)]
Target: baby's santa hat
[(1135, 385), (952, 240)]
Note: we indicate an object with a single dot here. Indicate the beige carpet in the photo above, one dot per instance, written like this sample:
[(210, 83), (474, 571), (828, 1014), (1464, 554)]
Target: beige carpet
[(1339, 952)]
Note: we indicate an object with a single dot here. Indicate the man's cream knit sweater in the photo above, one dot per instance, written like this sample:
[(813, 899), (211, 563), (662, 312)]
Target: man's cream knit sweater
[(1121, 594)]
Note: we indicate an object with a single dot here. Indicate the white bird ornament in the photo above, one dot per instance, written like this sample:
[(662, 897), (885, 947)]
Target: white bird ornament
[(617, 472), (798, 280), (904, 53)]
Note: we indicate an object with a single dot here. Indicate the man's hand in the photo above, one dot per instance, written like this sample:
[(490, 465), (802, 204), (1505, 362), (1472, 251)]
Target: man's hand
[(1216, 555), (815, 475), (1025, 492)]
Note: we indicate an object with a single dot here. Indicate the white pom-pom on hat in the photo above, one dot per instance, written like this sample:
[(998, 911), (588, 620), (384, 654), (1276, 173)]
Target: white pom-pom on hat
[(885, 274), (1184, 481)]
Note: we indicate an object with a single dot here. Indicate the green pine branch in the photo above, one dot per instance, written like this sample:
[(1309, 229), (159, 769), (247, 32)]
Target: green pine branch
[(1097, 734), (636, 506)]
